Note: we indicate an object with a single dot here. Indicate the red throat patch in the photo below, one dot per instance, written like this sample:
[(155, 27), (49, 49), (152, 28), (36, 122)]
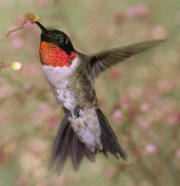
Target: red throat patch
[(52, 55)]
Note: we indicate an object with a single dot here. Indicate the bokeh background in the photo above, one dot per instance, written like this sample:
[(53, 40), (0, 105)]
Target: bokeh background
[(140, 97)]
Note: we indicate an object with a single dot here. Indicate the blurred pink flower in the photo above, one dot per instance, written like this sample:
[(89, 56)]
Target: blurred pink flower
[(138, 152), (165, 85), (28, 87), (52, 122), (30, 70), (13, 34), (137, 11), (114, 73), (143, 121), (173, 119), (18, 19), (159, 32), (145, 107), (17, 43), (2, 3), (42, 3), (178, 153), (29, 26), (37, 146), (110, 173), (168, 107), (22, 179), (124, 101), (6, 91), (119, 17), (133, 111), (43, 107), (54, 105), (150, 149), (117, 115)]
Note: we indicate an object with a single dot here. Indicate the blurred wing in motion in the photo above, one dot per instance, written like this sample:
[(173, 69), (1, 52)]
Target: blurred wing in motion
[(103, 60)]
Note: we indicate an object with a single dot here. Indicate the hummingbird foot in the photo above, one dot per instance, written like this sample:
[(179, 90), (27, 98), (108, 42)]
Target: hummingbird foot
[(67, 112), (76, 112)]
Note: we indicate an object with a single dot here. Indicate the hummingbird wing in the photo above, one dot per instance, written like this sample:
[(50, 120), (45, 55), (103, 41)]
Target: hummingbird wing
[(103, 60)]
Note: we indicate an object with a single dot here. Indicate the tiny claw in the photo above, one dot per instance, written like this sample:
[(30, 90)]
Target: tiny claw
[(77, 111), (67, 112)]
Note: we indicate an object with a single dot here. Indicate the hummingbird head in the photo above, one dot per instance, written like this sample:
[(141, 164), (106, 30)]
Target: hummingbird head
[(56, 48)]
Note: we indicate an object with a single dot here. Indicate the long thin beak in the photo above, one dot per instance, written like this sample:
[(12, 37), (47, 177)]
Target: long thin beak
[(43, 29)]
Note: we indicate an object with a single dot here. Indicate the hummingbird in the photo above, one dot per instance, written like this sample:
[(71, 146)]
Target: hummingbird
[(84, 130)]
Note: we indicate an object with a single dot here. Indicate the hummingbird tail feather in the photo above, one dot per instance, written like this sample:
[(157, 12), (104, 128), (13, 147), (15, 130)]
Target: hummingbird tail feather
[(108, 138), (68, 144)]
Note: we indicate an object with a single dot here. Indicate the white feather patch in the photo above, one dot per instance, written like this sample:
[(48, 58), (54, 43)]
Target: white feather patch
[(56, 75), (87, 128), (60, 79)]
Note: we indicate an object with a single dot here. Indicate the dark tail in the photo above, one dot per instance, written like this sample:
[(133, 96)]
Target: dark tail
[(108, 138), (68, 144)]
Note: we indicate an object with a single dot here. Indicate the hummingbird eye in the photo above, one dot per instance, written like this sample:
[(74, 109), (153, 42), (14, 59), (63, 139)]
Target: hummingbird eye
[(63, 40)]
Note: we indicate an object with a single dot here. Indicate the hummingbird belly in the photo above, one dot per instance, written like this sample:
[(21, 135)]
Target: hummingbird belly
[(86, 125), (73, 87)]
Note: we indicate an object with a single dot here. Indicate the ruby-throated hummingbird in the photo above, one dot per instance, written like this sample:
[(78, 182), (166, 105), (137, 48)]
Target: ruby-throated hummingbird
[(84, 130)]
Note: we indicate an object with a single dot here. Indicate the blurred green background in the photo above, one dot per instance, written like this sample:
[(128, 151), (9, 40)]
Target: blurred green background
[(140, 97)]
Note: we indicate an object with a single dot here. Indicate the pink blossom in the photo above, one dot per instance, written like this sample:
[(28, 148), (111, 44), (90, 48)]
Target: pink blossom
[(2, 3), (137, 11), (28, 87), (19, 19), (145, 107), (22, 179), (178, 153), (30, 70), (143, 122), (117, 115), (29, 26), (124, 101), (159, 32), (52, 122), (42, 3), (54, 105), (13, 34), (17, 43), (173, 119), (137, 152), (133, 111), (119, 17), (165, 85), (150, 149), (37, 146), (110, 173), (43, 107), (114, 73)]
